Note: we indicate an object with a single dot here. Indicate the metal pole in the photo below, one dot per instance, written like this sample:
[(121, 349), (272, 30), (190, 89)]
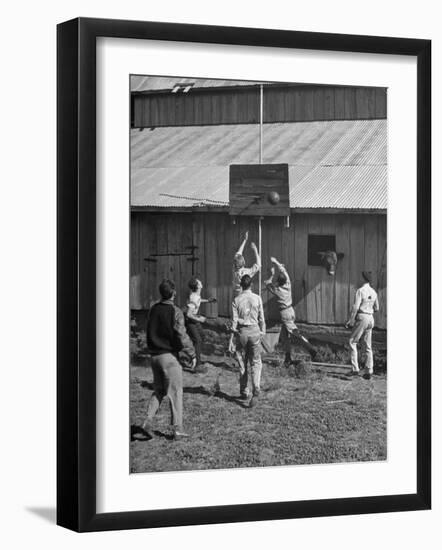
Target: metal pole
[(261, 111)]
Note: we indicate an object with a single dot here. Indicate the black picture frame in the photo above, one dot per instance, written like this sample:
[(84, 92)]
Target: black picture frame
[(76, 273)]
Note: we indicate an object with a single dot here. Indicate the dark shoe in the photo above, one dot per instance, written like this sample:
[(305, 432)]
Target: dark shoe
[(147, 428), (180, 435), (354, 373), (366, 376)]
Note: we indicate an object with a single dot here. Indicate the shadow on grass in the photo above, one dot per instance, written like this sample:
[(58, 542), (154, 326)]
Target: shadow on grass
[(138, 434), (201, 390)]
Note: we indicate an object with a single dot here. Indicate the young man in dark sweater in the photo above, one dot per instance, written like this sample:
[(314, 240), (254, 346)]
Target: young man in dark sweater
[(166, 336)]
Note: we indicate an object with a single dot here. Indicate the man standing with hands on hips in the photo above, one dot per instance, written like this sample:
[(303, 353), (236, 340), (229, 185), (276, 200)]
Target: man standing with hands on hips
[(361, 319)]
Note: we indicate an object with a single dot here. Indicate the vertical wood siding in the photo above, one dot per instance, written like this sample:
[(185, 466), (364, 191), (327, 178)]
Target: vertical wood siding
[(239, 106), (317, 296)]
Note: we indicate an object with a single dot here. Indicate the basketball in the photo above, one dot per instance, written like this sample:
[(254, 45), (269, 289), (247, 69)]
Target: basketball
[(273, 197)]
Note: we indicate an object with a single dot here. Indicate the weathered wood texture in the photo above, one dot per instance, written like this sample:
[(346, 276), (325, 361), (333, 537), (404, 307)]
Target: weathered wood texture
[(241, 106), (318, 297)]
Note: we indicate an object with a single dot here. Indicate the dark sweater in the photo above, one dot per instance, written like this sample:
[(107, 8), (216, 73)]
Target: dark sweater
[(166, 332)]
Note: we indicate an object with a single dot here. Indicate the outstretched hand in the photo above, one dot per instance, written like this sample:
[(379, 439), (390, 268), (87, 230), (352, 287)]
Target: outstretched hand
[(246, 235), (211, 300), (273, 260), (253, 246)]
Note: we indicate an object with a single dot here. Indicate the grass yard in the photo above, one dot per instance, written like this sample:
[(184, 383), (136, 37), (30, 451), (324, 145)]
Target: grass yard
[(313, 419)]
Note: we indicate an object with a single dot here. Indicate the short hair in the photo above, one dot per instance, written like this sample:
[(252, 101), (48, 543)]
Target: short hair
[(193, 284), (238, 261), (167, 288), (281, 279), (246, 282), (367, 276)]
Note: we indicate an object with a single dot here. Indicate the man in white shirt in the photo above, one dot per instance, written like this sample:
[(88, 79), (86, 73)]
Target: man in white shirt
[(249, 323), (361, 319), (239, 269)]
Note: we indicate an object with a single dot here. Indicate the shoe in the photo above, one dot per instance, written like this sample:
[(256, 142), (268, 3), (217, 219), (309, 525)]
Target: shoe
[(366, 376), (243, 396), (354, 373), (147, 428), (253, 402), (180, 435)]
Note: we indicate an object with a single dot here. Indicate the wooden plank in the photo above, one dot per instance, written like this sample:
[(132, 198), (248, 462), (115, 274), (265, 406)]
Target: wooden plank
[(371, 98), (328, 282), (371, 247), (361, 100), (381, 317), (339, 104), (314, 277), (349, 103), (342, 306), (381, 103), (329, 103), (211, 262), (299, 226), (357, 254), (318, 104)]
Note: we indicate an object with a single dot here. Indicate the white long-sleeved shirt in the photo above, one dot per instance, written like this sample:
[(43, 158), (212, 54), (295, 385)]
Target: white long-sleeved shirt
[(366, 301)]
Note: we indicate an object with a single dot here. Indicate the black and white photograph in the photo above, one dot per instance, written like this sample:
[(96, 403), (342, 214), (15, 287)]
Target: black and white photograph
[(258, 273)]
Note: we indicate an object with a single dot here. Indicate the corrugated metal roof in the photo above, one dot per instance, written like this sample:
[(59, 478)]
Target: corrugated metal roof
[(150, 83), (332, 164)]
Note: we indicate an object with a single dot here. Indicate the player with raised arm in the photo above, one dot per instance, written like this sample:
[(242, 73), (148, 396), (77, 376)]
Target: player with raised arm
[(282, 289), (239, 268)]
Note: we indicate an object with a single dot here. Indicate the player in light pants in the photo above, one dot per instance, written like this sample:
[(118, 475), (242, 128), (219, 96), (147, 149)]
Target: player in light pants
[(249, 323), (282, 289), (362, 320)]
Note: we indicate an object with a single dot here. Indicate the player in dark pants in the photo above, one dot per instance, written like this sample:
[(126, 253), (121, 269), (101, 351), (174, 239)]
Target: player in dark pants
[(194, 320)]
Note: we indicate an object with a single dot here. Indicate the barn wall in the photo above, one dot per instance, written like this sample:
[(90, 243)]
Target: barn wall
[(241, 106), (318, 297)]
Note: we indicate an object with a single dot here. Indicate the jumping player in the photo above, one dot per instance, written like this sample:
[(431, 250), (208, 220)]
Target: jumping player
[(282, 289), (239, 269)]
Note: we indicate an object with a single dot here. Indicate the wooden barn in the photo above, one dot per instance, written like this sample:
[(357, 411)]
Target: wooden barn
[(187, 133)]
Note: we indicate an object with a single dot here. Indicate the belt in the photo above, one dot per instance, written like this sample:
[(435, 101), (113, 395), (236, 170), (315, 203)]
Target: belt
[(248, 326), (364, 313), (286, 307)]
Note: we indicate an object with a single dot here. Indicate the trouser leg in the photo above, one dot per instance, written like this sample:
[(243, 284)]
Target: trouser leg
[(358, 331), (243, 361), (158, 390), (194, 330), (175, 393), (256, 362), (368, 350)]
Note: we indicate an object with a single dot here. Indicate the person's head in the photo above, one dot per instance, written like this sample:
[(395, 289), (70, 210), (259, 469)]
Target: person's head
[(167, 289), (367, 277), (246, 282), (281, 279), (195, 284), (238, 261)]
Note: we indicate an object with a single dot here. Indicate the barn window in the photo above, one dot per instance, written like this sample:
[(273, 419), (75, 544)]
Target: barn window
[(319, 243)]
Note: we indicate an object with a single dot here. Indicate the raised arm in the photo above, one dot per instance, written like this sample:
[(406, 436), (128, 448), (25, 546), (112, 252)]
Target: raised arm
[(280, 266), (257, 257), (243, 244)]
